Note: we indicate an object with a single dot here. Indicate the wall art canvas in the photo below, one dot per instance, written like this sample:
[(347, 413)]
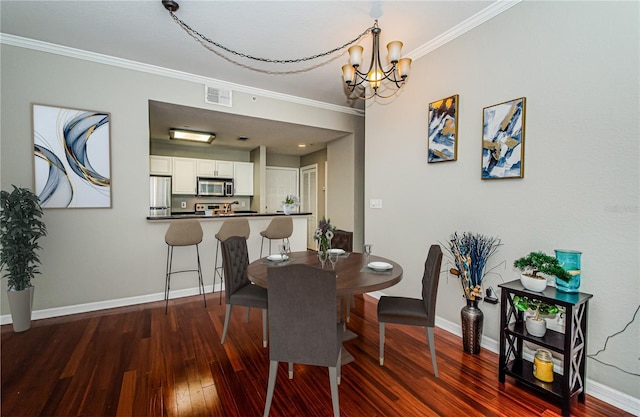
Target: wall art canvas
[(443, 130), (503, 140), (72, 161)]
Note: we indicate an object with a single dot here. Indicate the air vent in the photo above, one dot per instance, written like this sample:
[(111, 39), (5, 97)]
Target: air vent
[(217, 95)]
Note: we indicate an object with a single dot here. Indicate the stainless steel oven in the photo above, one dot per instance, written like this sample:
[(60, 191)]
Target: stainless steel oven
[(216, 187)]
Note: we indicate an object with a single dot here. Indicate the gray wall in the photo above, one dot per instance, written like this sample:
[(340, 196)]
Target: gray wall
[(98, 255), (577, 65)]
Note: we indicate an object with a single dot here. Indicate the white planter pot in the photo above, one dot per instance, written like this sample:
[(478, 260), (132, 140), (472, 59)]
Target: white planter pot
[(21, 304), (287, 208), (536, 327), (533, 284)]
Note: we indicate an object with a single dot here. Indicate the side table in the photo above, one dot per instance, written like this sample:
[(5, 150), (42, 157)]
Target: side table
[(571, 344)]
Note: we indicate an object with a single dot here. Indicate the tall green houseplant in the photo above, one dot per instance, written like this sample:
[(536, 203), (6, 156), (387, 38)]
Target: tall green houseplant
[(20, 228)]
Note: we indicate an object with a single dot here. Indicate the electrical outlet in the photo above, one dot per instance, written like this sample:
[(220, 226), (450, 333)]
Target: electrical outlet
[(375, 203), (183, 204), (242, 204)]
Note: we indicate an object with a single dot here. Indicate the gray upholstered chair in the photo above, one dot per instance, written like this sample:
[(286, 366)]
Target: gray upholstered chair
[(230, 227), (343, 239), (238, 290), (303, 325), (280, 227), (415, 312), (182, 233)]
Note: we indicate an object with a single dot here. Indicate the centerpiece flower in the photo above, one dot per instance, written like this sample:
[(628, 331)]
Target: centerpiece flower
[(324, 234), (470, 253)]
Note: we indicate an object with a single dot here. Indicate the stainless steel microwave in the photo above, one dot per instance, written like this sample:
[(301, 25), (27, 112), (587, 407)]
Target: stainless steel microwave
[(218, 187)]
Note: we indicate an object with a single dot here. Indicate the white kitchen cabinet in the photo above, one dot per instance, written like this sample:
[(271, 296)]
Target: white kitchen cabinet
[(184, 176), (243, 178), (206, 167), (160, 165), (224, 169), (214, 168)]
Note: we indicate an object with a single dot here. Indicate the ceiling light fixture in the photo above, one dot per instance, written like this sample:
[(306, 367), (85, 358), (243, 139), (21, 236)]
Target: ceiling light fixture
[(191, 135), (372, 79), (368, 84)]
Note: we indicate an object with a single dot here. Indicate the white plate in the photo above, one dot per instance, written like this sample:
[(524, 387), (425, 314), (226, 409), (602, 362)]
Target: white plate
[(277, 258), (338, 251), (379, 266)]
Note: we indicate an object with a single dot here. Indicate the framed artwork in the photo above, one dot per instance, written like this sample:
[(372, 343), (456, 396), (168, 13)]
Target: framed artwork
[(72, 158), (443, 130), (503, 140)]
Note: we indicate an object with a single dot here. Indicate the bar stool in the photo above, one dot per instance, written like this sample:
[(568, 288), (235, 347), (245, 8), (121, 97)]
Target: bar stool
[(279, 228), (230, 227), (182, 233)]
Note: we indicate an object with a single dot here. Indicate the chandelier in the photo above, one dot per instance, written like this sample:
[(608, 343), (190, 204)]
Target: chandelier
[(364, 85), (396, 75)]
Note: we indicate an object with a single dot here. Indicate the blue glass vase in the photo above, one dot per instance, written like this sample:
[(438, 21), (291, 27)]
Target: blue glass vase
[(570, 261)]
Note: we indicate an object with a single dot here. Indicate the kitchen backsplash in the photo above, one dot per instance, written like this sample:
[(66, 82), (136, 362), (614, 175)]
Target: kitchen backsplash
[(191, 201)]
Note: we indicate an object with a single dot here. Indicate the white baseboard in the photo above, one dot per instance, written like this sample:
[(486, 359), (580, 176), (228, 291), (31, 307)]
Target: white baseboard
[(104, 305), (595, 389)]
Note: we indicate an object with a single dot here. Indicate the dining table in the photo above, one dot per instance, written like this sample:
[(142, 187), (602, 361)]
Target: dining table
[(354, 275)]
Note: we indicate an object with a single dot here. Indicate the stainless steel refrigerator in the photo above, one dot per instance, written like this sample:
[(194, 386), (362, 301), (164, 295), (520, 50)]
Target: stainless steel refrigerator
[(159, 196)]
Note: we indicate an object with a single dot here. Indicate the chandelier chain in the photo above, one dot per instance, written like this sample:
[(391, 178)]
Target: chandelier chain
[(192, 31)]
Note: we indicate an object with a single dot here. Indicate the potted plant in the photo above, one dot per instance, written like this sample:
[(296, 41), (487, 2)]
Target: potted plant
[(20, 229), (538, 262), (536, 325), (290, 202)]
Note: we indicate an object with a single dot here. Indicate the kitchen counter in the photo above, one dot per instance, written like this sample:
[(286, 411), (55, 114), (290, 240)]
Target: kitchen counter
[(177, 216)]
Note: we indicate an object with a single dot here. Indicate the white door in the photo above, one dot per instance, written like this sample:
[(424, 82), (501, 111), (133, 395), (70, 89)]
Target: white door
[(309, 199), (280, 182)]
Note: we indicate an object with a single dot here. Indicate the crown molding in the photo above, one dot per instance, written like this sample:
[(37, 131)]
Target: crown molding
[(12, 40), (479, 18), (460, 29)]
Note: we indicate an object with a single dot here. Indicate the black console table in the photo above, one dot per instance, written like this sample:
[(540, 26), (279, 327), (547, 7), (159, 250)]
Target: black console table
[(571, 344)]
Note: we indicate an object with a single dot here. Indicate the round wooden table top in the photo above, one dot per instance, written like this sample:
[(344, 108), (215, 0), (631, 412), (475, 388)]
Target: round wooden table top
[(353, 276)]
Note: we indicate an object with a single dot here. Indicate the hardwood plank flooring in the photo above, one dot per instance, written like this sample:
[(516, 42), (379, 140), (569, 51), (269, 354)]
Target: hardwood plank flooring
[(137, 361)]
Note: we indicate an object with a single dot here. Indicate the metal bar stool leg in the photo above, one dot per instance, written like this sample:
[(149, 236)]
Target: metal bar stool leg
[(218, 271), (200, 279), (167, 279)]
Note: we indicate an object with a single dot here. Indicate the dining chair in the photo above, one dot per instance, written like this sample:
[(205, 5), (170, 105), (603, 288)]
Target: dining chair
[(280, 227), (238, 290), (182, 233), (303, 327), (230, 227), (343, 239), (415, 312)]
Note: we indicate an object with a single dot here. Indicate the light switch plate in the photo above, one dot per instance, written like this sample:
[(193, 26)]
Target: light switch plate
[(183, 204), (375, 203)]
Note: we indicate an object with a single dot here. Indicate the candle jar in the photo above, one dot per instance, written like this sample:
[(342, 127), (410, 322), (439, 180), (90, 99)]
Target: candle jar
[(543, 365)]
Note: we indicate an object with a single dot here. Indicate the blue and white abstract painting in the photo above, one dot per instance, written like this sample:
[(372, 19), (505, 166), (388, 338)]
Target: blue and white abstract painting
[(503, 140), (443, 130), (72, 164)]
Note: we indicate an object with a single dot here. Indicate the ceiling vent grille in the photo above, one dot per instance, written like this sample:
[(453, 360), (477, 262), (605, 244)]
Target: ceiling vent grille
[(217, 95)]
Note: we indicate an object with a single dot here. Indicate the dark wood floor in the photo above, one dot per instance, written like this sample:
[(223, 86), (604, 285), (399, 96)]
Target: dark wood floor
[(135, 361)]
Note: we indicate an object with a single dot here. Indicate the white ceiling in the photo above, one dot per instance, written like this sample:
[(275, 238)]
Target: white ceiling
[(143, 31)]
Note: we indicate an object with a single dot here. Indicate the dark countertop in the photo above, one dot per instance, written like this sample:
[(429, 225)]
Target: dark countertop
[(218, 216)]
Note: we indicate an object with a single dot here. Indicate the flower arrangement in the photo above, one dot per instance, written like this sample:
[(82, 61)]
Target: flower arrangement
[(470, 253), (324, 234), (292, 200)]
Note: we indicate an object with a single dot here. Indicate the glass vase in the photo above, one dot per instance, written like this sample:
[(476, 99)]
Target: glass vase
[(570, 262)]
